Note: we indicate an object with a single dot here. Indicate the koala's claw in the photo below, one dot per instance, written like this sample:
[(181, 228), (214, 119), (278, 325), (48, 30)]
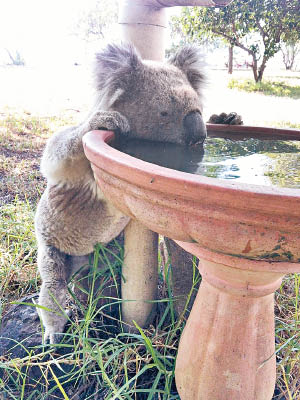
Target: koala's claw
[(110, 120), (55, 338), (52, 336)]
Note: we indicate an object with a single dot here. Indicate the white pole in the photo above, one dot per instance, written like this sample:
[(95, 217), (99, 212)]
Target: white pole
[(144, 23)]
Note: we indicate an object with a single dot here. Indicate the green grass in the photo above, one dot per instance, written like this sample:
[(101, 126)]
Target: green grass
[(284, 124), (22, 138), (98, 359), (17, 250), (267, 87), (287, 323), (97, 355)]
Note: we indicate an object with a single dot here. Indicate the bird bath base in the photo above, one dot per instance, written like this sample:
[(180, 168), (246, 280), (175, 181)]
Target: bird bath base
[(231, 327)]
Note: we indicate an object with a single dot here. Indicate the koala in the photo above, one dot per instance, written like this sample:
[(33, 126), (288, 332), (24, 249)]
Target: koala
[(134, 97)]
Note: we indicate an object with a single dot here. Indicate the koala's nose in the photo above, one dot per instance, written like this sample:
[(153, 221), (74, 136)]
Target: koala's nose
[(194, 127)]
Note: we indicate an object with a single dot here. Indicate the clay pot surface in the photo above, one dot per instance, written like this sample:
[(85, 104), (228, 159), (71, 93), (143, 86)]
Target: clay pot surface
[(218, 217)]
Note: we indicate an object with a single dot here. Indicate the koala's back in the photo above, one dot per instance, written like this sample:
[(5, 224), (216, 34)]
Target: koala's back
[(73, 219)]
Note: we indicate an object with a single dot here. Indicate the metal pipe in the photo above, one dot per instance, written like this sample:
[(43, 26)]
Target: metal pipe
[(144, 23)]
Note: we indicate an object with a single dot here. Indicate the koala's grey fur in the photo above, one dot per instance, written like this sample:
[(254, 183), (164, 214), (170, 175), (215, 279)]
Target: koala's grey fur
[(139, 98)]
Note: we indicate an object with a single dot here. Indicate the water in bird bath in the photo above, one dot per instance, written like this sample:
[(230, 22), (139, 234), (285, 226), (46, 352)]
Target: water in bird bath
[(274, 161)]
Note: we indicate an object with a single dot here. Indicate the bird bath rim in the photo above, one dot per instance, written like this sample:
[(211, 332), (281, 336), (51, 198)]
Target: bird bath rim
[(149, 169), (200, 212)]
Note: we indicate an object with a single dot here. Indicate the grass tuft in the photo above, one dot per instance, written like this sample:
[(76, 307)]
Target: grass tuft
[(18, 250)]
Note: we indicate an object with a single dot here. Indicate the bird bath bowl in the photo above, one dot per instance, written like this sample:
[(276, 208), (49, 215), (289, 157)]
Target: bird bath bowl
[(246, 236)]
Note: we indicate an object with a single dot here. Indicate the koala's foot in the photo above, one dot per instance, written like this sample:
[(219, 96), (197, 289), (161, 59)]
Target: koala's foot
[(53, 330), (110, 120), (55, 270), (228, 119), (54, 321)]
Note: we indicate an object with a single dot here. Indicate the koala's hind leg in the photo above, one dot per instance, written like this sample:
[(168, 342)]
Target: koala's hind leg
[(55, 272)]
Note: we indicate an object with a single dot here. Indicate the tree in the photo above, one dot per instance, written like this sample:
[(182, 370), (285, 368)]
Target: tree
[(180, 39), (96, 23), (290, 45), (290, 50), (255, 26), (16, 58)]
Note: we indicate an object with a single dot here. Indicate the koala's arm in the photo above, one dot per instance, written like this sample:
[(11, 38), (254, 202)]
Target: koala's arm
[(63, 160)]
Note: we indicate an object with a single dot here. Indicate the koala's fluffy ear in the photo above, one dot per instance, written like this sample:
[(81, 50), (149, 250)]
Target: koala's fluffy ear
[(114, 68), (190, 61)]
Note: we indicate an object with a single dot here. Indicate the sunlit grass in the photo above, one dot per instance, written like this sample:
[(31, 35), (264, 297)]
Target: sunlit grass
[(284, 124), (22, 139), (21, 131), (267, 87)]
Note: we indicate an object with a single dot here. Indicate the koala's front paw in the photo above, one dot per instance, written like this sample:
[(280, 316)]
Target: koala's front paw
[(110, 120), (228, 119)]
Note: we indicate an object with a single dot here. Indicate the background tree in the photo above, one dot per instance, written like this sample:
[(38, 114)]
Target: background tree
[(290, 44), (15, 57), (96, 23), (179, 39), (290, 50), (255, 26)]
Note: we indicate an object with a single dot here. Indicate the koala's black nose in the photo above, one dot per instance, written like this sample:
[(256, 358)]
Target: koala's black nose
[(194, 127)]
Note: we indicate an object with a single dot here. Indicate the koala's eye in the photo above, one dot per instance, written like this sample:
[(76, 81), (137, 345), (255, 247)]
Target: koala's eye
[(164, 113)]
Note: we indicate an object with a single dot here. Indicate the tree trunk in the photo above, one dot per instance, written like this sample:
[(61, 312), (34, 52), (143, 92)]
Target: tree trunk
[(289, 52), (260, 75), (254, 69), (258, 71), (230, 59), (262, 69)]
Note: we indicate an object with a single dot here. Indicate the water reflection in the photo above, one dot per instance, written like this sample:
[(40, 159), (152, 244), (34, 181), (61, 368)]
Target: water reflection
[(262, 162), (169, 155)]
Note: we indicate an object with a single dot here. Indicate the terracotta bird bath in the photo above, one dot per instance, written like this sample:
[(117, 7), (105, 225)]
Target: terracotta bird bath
[(247, 238)]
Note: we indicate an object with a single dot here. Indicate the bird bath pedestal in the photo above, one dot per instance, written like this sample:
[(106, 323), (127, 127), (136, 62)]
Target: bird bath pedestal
[(247, 237)]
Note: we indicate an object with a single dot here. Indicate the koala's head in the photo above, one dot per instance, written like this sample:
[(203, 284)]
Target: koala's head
[(162, 101)]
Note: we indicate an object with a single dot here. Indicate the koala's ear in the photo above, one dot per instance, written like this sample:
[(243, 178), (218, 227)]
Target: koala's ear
[(114, 67), (190, 61)]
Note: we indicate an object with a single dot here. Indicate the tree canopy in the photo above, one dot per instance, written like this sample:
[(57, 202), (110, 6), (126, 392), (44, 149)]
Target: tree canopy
[(255, 26)]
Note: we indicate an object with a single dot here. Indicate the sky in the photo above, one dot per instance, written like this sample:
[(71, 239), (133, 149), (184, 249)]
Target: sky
[(40, 28)]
